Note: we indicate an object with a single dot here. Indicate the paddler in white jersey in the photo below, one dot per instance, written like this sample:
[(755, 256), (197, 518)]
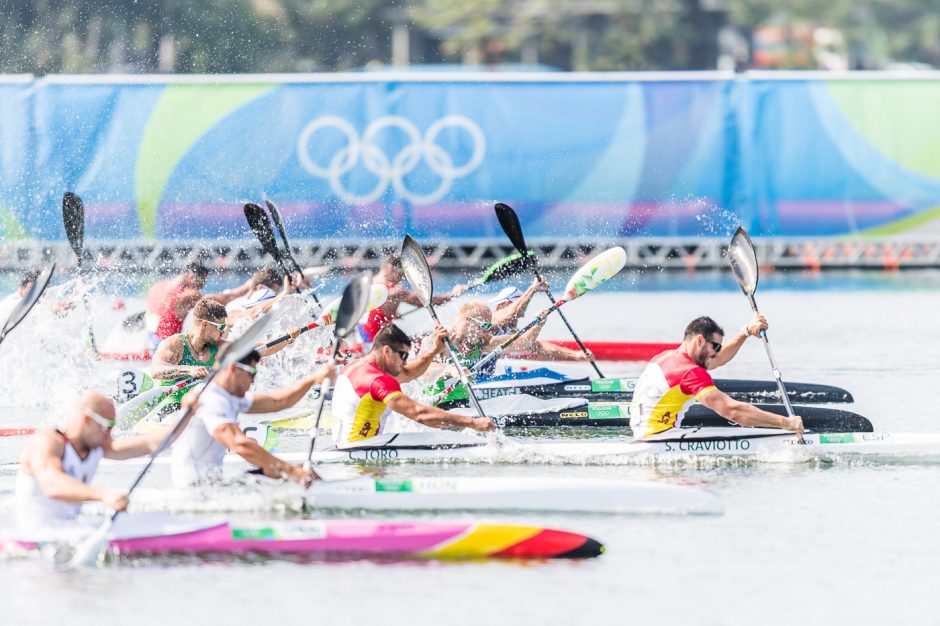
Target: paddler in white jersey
[(57, 466), (675, 378), (197, 455), (369, 389)]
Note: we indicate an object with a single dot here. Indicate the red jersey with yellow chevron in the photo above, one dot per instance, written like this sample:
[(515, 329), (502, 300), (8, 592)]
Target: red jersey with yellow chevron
[(665, 391), (359, 398)]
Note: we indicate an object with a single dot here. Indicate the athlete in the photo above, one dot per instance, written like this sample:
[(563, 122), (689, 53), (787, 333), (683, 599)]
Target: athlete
[(192, 354), (9, 303), (267, 288), (369, 389), (197, 455), (673, 379), (390, 274), (57, 466), (169, 301)]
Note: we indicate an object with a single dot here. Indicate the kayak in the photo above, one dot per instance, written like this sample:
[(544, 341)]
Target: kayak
[(455, 493), (522, 411), (155, 534), (547, 383), (602, 350)]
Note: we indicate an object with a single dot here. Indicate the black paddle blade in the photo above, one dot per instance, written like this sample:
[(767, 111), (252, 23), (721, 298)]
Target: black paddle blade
[(353, 304), (279, 223), (24, 305), (510, 223), (261, 227), (743, 259), (73, 217), (415, 267), (515, 263)]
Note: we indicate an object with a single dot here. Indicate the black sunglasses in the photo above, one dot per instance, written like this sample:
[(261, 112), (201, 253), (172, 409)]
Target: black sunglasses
[(404, 354), (716, 345)]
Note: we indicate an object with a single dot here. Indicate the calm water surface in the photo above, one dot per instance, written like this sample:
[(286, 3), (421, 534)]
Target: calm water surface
[(797, 543)]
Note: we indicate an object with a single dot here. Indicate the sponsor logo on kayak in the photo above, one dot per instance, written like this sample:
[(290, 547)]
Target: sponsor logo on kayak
[(715, 445), (836, 438), (307, 529), (393, 485), (378, 454), (495, 392), (577, 387), (573, 414), (370, 152)]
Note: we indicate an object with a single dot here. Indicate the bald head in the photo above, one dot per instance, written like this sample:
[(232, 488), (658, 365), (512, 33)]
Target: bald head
[(97, 402)]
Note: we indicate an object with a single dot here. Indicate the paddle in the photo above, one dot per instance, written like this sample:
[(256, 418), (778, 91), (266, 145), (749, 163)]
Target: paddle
[(378, 294), (260, 225), (415, 267), (352, 305), (592, 274), (743, 259), (130, 409), (90, 550), (73, 218), (276, 216), (23, 306), (513, 229)]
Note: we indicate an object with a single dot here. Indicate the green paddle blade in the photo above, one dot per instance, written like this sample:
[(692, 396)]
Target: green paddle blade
[(73, 218), (595, 272), (24, 305), (415, 267), (515, 263), (743, 259)]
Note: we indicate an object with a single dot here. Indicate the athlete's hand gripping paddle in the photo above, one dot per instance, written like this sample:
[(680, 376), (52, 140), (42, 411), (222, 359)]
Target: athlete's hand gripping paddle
[(743, 260), (416, 270), (352, 305), (23, 306), (595, 272), (73, 218), (513, 229), (90, 550)]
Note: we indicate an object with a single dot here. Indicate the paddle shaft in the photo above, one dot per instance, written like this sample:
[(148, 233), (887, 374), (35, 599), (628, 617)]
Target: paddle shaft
[(460, 371), (324, 390), (574, 335), (274, 342), (773, 364)]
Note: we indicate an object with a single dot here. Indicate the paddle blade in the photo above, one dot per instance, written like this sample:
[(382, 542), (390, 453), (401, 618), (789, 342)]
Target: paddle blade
[(513, 264), (24, 305), (261, 226), (743, 259), (510, 224), (353, 304), (416, 270), (73, 217), (278, 222), (595, 272), (239, 348), (378, 294), (90, 551)]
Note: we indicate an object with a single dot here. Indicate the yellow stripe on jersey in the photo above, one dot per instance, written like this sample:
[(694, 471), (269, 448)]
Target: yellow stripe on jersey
[(368, 417)]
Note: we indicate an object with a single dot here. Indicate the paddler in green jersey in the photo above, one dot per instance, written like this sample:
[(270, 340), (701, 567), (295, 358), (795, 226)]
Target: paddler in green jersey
[(192, 354)]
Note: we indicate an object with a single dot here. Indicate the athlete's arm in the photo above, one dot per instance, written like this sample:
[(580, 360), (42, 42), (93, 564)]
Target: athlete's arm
[(225, 298), (186, 301), (289, 396), (230, 436), (747, 414), (43, 458), (133, 447), (730, 348), (166, 360), (435, 417), (419, 365)]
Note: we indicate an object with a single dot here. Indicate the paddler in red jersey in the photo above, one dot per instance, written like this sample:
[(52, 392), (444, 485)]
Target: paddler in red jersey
[(57, 465), (169, 301), (369, 389), (673, 379), (390, 274)]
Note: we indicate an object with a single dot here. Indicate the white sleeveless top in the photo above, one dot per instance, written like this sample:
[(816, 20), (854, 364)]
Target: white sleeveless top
[(35, 510)]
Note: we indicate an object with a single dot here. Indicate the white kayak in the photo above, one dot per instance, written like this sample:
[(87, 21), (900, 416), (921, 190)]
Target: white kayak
[(453, 493)]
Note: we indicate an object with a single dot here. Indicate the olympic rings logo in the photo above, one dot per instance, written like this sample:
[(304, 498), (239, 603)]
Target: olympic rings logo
[(391, 169)]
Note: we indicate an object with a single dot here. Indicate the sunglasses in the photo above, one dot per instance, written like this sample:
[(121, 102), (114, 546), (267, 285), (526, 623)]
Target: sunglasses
[(251, 371), (404, 354), (219, 325), (102, 421), (716, 345), (484, 326)]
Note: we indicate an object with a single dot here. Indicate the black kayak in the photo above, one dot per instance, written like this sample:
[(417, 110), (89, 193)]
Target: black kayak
[(818, 419), (621, 390)]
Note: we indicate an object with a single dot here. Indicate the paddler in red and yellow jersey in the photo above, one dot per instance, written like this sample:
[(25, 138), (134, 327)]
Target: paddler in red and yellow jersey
[(390, 274), (369, 389), (676, 378)]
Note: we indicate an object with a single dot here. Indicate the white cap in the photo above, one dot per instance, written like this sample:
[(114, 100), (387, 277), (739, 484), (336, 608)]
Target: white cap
[(509, 294)]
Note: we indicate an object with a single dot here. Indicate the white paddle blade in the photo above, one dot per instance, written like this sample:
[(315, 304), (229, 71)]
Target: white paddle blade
[(416, 270), (32, 295), (743, 261), (90, 551), (378, 294), (595, 272)]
